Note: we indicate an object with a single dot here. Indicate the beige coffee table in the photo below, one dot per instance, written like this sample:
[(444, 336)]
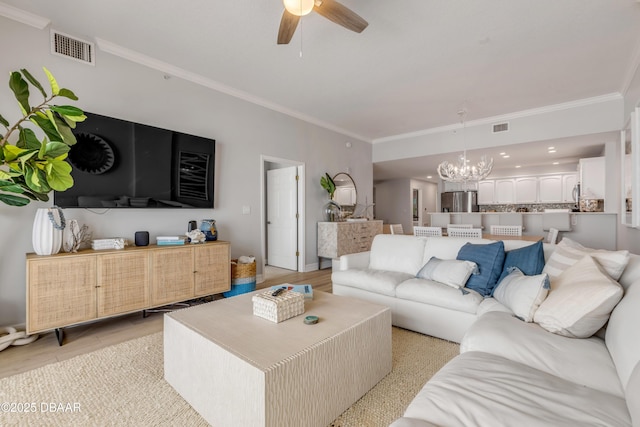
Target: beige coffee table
[(237, 369)]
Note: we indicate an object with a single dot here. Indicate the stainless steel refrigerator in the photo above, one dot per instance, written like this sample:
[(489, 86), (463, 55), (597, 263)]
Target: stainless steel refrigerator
[(459, 201)]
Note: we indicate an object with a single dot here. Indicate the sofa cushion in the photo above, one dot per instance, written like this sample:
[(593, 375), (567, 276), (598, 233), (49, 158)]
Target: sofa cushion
[(580, 300), (568, 252), (392, 252), (489, 305), (438, 294), (447, 247), (378, 281), (451, 272), (528, 259), (583, 361), (482, 389), (522, 294), (489, 258)]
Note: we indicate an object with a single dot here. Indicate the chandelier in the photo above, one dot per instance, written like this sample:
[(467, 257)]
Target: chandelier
[(462, 171)]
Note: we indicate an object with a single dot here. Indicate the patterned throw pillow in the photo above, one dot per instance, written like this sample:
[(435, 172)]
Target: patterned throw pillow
[(489, 259), (522, 294), (580, 300), (452, 272), (568, 252)]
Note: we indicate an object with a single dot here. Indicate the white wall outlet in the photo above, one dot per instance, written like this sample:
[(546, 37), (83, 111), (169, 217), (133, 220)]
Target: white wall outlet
[(246, 210)]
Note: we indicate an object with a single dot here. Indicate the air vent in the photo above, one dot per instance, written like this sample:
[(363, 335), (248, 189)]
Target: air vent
[(73, 48), (500, 127)]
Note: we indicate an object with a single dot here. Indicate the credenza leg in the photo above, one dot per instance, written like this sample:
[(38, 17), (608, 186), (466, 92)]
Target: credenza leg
[(59, 335)]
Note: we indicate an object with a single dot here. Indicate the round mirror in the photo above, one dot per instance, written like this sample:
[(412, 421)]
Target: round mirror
[(346, 195)]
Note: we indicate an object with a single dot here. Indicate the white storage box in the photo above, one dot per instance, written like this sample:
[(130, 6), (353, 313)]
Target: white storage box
[(279, 308)]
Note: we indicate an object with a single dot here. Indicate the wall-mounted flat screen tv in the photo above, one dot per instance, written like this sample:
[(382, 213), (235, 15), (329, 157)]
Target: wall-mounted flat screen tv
[(121, 164)]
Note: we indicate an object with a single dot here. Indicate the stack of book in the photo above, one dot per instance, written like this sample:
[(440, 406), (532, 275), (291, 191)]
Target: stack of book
[(112, 243), (170, 240)]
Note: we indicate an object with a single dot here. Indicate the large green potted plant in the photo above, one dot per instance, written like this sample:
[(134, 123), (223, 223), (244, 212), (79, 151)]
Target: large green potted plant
[(31, 167), (332, 210)]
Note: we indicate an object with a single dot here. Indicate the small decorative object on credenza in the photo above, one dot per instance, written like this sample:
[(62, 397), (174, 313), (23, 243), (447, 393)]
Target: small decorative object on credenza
[(109, 243), (331, 210), (46, 236), (75, 237), (141, 238), (208, 227), (170, 240), (196, 236)]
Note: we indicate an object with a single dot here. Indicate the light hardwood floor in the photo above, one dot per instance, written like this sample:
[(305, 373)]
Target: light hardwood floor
[(93, 336)]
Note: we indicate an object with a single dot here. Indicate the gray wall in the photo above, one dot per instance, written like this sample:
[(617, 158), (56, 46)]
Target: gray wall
[(243, 132)]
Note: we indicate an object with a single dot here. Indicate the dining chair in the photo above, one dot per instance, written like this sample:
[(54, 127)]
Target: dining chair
[(552, 236), (396, 228), (506, 230), (474, 233), (427, 231)]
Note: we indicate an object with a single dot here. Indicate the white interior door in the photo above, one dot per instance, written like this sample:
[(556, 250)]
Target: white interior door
[(282, 207)]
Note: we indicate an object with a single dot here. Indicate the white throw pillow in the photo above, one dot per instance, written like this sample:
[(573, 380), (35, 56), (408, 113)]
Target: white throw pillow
[(522, 294), (580, 300), (569, 252), (450, 272)]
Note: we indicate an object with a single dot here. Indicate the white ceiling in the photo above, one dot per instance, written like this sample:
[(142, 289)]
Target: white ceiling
[(412, 69)]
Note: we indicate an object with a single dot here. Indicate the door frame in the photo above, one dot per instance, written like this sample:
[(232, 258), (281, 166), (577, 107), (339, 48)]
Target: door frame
[(300, 202)]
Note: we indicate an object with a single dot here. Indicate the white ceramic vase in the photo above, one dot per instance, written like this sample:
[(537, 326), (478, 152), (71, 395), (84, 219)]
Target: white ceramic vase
[(46, 238)]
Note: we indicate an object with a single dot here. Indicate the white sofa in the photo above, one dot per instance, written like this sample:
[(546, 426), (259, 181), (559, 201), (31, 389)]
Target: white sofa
[(509, 372), (386, 275), (514, 373)]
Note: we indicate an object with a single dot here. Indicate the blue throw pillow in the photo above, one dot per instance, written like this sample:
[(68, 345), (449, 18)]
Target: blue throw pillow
[(489, 259), (529, 260)]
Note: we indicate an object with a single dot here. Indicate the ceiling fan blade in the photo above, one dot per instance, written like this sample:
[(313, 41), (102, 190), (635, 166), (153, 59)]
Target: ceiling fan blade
[(341, 15), (288, 25)]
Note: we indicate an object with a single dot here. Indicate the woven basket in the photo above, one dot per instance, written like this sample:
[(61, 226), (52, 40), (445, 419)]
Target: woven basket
[(242, 271)]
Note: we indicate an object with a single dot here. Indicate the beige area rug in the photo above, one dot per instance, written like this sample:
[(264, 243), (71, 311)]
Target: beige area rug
[(123, 385)]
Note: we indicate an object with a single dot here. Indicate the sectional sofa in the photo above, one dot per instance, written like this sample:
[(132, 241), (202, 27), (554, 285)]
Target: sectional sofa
[(517, 366)]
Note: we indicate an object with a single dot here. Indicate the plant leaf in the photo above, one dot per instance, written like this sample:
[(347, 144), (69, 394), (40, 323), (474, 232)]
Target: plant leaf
[(34, 82), (10, 186), (20, 89), (67, 94), (42, 121), (65, 132), (67, 110), (56, 149), (55, 89), (11, 200), (28, 140), (59, 175), (4, 121)]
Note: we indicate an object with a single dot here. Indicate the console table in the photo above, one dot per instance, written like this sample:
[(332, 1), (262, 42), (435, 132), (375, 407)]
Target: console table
[(342, 238), (71, 288)]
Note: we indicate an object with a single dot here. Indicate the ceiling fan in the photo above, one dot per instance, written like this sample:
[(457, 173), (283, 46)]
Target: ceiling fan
[(330, 9)]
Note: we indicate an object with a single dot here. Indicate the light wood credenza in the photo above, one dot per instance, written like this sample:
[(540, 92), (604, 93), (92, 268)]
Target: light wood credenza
[(71, 288), (342, 238)]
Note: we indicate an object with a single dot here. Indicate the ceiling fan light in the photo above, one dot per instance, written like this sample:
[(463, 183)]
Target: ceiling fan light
[(299, 7)]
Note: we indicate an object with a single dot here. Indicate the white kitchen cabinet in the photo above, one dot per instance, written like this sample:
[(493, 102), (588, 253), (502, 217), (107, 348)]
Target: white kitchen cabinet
[(550, 189), (526, 190), (486, 192), (569, 182), (504, 191), (592, 177)]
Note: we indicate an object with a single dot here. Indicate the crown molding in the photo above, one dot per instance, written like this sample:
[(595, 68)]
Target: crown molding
[(505, 117), (631, 72), (172, 70), (23, 16)]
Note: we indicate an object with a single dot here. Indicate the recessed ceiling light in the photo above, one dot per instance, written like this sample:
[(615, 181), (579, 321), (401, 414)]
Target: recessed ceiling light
[(551, 148), (506, 156), (556, 163), (429, 177), (503, 153), (552, 151), (518, 166)]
